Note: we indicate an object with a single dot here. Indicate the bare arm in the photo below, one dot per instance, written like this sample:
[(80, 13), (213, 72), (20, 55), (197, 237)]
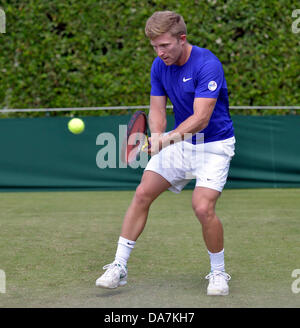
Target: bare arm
[(157, 114), (203, 109)]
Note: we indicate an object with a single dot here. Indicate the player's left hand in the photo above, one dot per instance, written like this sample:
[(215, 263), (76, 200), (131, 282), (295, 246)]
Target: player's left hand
[(155, 143)]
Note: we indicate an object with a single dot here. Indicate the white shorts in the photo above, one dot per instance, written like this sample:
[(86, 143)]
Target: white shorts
[(181, 162)]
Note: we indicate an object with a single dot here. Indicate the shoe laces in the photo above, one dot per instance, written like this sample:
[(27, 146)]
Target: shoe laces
[(217, 275), (114, 265)]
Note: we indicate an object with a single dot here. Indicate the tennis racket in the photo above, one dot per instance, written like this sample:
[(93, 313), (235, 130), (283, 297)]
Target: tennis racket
[(136, 139)]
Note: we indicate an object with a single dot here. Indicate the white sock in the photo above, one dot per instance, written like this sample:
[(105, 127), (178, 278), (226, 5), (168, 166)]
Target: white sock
[(217, 261), (125, 246)]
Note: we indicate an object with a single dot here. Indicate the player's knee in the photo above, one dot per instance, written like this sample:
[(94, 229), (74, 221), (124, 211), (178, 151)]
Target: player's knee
[(204, 212), (143, 196)]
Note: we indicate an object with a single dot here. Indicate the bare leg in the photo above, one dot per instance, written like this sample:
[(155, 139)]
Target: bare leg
[(151, 186), (204, 201)]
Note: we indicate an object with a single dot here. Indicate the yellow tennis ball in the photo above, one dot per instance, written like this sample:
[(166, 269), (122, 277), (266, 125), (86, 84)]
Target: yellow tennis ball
[(76, 125)]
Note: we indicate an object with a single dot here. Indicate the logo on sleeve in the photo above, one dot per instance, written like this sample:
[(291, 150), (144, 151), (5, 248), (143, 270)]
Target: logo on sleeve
[(212, 85)]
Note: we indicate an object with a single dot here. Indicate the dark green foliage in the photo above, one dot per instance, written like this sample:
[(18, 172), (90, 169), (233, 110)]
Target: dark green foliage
[(94, 53)]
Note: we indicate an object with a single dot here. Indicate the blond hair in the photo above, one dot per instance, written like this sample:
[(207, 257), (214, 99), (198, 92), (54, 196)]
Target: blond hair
[(165, 21)]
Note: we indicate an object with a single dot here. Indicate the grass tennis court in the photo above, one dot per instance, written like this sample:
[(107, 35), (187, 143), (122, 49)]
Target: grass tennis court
[(54, 244)]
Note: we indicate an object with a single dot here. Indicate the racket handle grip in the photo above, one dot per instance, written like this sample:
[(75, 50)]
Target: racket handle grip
[(145, 145)]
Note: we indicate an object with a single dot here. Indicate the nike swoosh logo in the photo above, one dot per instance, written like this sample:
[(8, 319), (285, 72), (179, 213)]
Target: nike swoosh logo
[(185, 80)]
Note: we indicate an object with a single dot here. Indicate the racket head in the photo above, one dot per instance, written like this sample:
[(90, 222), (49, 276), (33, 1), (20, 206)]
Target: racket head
[(136, 137)]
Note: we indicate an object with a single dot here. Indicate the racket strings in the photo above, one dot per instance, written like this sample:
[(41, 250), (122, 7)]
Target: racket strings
[(136, 137)]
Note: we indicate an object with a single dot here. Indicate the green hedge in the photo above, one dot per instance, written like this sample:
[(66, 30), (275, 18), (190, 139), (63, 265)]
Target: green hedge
[(82, 53)]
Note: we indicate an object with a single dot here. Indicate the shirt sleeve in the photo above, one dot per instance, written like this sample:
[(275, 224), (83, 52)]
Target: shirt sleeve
[(157, 88), (209, 80)]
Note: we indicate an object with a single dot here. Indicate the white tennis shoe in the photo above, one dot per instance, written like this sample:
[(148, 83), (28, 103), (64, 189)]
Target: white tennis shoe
[(218, 283), (114, 276)]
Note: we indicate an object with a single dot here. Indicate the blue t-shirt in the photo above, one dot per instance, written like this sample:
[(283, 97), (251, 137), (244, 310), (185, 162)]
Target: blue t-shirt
[(202, 76)]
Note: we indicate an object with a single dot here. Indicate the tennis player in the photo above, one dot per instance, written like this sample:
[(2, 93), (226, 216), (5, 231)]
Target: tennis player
[(193, 79)]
